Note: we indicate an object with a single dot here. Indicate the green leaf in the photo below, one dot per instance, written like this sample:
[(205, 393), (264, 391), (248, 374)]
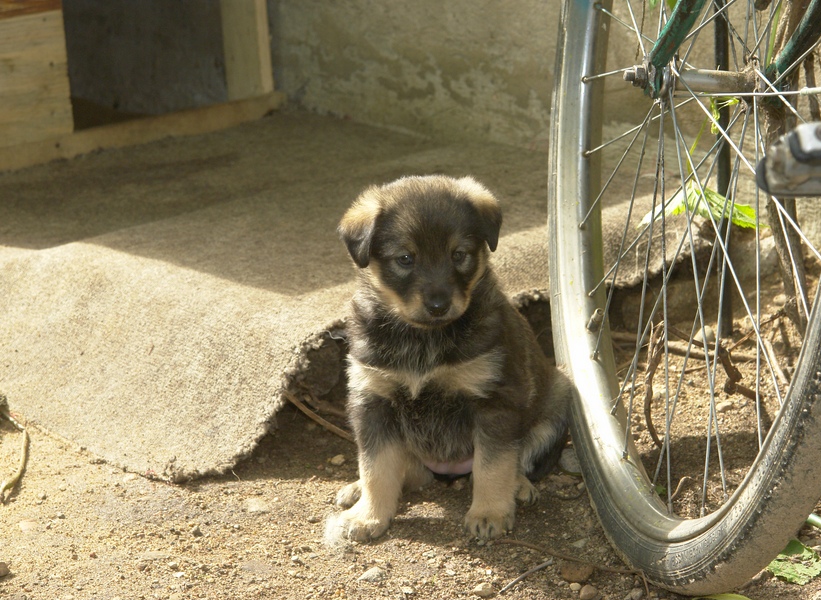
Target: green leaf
[(717, 104), (706, 204), (773, 35), (671, 4), (796, 564)]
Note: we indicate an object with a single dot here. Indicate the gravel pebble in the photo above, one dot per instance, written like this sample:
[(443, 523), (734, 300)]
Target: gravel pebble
[(373, 575), (483, 590), (575, 586), (707, 333), (4, 569), (635, 594), (569, 462), (588, 592), (337, 460), (575, 572), (27, 525), (255, 505)]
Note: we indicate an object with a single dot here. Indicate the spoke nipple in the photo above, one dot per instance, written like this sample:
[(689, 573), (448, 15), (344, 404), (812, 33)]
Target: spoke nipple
[(596, 319)]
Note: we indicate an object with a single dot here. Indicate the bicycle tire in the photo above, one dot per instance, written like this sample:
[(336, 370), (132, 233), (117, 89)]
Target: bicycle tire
[(723, 549)]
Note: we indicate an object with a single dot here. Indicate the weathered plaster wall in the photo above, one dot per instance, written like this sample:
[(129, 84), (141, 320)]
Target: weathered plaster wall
[(463, 69)]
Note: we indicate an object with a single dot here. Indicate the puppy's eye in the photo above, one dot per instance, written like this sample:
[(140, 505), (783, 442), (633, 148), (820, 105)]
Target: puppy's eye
[(458, 256), (406, 260)]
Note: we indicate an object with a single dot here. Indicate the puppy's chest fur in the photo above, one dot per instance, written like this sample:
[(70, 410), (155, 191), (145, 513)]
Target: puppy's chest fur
[(393, 360), (433, 411), (473, 378)]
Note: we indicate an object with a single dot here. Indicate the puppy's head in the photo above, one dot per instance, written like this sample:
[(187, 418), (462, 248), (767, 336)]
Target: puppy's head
[(424, 242)]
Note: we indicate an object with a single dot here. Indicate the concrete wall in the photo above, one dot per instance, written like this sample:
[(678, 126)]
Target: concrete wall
[(463, 69)]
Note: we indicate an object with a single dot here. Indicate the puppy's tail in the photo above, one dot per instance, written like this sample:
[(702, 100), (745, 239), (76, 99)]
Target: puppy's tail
[(335, 531)]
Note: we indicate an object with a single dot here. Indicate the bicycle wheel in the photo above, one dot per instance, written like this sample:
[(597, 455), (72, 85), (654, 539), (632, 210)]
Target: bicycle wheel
[(698, 478)]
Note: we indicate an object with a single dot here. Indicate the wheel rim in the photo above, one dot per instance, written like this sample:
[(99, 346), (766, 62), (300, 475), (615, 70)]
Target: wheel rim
[(631, 473)]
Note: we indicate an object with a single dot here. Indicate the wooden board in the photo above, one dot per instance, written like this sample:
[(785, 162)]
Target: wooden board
[(140, 131), (15, 8), (34, 88), (247, 48)]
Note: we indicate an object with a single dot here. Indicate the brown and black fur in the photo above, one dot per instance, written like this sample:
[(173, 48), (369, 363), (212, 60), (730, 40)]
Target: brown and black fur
[(442, 368)]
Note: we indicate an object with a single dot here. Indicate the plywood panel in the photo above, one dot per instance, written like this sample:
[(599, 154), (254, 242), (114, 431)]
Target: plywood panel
[(14, 8), (247, 48), (34, 88)]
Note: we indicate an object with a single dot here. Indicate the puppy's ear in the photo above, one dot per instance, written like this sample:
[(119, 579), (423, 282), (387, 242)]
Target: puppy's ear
[(486, 205), (357, 226)]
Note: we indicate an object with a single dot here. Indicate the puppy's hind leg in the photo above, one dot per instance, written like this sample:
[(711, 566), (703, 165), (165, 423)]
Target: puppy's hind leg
[(548, 437), (382, 473), (526, 493), (349, 495), (417, 476)]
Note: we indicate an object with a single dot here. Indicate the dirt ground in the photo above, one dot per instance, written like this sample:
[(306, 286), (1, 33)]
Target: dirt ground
[(77, 528)]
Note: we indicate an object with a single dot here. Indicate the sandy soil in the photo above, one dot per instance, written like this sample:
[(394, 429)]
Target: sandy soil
[(76, 528)]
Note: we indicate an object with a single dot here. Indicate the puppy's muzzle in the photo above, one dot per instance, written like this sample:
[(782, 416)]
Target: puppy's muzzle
[(437, 303)]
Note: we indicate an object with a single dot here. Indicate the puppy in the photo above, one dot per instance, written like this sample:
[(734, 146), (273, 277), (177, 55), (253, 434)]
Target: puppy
[(444, 374)]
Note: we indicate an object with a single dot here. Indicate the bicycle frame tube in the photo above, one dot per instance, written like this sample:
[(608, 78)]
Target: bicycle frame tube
[(805, 37), (672, 35)]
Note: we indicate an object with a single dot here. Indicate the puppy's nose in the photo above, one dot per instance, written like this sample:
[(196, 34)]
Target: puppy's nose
[(437, 305)]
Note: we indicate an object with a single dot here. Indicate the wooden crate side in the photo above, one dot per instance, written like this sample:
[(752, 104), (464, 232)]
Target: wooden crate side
[(247, 47), (194, 121), (15, 8), (34, 89)]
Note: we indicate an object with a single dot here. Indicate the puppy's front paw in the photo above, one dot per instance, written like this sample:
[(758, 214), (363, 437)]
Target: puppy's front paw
[(355, 524), (349, 495), (489, 524)]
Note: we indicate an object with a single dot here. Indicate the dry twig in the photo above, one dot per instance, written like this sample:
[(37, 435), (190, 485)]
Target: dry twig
[(655, 350), (8, 484), (315, 417), (561, 556), (779, 372), (526, 574), (682, 483), (321, 405)]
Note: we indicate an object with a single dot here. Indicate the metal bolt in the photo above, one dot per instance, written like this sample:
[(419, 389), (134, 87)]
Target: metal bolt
[(637, 76)]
